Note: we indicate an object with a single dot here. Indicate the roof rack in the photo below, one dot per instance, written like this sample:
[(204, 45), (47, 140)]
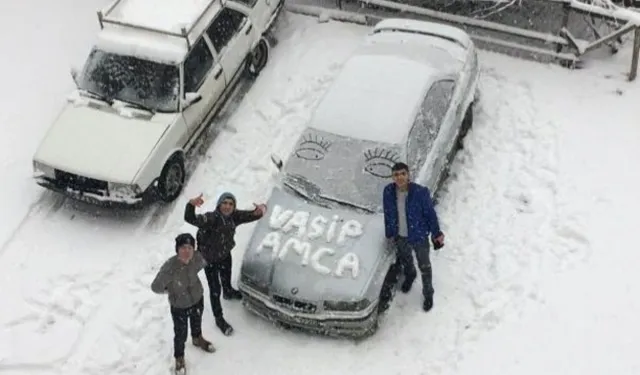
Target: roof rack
[(103, 18)]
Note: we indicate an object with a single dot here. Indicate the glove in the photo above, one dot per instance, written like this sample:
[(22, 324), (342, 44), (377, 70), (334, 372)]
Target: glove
[(438, 242)]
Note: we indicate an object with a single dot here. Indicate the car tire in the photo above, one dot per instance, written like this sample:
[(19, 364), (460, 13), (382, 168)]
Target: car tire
[(171, 180), (258, 58)]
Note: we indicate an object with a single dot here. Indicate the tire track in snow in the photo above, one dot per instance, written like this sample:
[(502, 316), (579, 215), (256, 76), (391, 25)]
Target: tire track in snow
[(501, 210), (64, 304)]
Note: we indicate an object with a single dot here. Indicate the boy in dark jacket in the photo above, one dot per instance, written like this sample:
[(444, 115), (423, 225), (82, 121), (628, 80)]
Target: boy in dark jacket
[(409, 218), (216, 231), (178, 278)]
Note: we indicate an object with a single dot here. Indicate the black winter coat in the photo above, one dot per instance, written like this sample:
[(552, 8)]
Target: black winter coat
[(215, 237)]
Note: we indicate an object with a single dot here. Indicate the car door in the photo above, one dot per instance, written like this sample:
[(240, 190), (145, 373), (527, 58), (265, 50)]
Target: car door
[(230, 34), (202, 75)]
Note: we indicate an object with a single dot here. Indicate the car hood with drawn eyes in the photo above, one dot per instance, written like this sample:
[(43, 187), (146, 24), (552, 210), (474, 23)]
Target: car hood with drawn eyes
[(308, 252), (350, 170)]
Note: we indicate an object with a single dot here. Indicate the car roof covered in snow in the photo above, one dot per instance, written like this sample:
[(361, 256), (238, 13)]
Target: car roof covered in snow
[(128, 27), (380, 88)]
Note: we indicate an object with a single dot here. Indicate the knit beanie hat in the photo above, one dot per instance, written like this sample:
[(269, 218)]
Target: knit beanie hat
[(224, 196), (184, 239)]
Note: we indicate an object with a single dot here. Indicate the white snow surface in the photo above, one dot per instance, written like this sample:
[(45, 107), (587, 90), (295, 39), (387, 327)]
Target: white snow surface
[(537, 277), (142, 44), (374, 97)]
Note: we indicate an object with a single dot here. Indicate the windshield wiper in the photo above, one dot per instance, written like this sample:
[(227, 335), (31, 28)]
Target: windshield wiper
[(93, 95), (296, 189), (136, 105), (346, 203), (302, 192)]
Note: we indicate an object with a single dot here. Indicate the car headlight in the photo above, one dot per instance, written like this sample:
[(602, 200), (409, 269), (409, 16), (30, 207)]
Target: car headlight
[(43, 170), (123, 190), (346, 305)]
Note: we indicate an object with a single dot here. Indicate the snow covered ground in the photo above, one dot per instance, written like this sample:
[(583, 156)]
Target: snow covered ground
[(538, 275)]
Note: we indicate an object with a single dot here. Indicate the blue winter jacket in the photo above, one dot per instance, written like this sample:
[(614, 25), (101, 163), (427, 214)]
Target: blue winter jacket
[(421, 216)]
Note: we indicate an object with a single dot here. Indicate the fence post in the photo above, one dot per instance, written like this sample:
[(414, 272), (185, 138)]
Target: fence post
[(636, 51)]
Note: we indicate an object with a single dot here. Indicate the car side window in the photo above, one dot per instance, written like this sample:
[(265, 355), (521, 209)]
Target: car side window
[(225, 27), (436, 104), (197, 65), (428, 121)]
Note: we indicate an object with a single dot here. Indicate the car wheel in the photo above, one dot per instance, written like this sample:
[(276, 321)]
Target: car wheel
[(171, 179), (258, 58)]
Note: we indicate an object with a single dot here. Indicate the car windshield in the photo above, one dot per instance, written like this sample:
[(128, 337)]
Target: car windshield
[(141, 83), (331, 169)]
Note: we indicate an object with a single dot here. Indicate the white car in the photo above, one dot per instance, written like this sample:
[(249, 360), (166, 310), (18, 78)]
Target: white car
[(157, 74)]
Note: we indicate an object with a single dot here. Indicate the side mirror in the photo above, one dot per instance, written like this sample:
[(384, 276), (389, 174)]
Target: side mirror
[(191, 98), (276, 161)]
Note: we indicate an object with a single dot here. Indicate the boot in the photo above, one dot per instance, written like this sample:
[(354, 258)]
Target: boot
[(180, 368), (226, 329), (203, 344), (427, 304), (407, 284), (232, 294)]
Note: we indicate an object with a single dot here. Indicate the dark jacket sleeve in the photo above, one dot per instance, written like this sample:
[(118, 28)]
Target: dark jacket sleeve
[(389, 209), (429, 213), (190, 216), (162, 279), (245, 216)]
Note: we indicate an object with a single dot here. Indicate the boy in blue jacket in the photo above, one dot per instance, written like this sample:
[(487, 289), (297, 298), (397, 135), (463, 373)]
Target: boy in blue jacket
[(409, 218)]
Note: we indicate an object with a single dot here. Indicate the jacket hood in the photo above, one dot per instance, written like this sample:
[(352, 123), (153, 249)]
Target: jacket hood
[(304, 251), (226, 195)]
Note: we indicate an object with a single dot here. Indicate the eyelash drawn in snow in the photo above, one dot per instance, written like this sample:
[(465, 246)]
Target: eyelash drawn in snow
[(312, 147), (378, 162)]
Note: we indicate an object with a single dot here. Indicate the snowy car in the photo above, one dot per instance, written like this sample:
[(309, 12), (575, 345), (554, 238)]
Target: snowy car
[(319, 261), (156, 76)]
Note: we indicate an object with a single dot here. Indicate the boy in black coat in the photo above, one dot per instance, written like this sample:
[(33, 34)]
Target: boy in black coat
[(215, 240)]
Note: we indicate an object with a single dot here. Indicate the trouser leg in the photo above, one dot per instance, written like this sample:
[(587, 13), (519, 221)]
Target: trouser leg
[(424, 265), (405, 260), (180, 330), (225, 274), (195, 318), (213, 279)]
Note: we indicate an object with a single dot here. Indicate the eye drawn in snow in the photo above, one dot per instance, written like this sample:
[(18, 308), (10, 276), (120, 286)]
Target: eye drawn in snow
[(378, 162), (282, 240), (312, 147)]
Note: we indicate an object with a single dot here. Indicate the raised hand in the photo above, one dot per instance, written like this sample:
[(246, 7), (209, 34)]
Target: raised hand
[(197, 201), (260, 209)]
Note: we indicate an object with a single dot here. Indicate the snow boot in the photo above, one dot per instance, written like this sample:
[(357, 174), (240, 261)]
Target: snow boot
[(427, 304), (180, 368), (203, 344), (406, 285), (226, 329), (232, 294)]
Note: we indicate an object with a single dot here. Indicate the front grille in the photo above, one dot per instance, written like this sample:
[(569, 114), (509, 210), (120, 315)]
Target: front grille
[(80, 183), (301, 306)]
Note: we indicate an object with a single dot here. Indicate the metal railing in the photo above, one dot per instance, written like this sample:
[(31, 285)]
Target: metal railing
[(562, 47)]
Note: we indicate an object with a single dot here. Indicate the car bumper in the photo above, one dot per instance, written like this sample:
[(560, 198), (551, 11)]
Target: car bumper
[(103, 200), (349, 326)]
